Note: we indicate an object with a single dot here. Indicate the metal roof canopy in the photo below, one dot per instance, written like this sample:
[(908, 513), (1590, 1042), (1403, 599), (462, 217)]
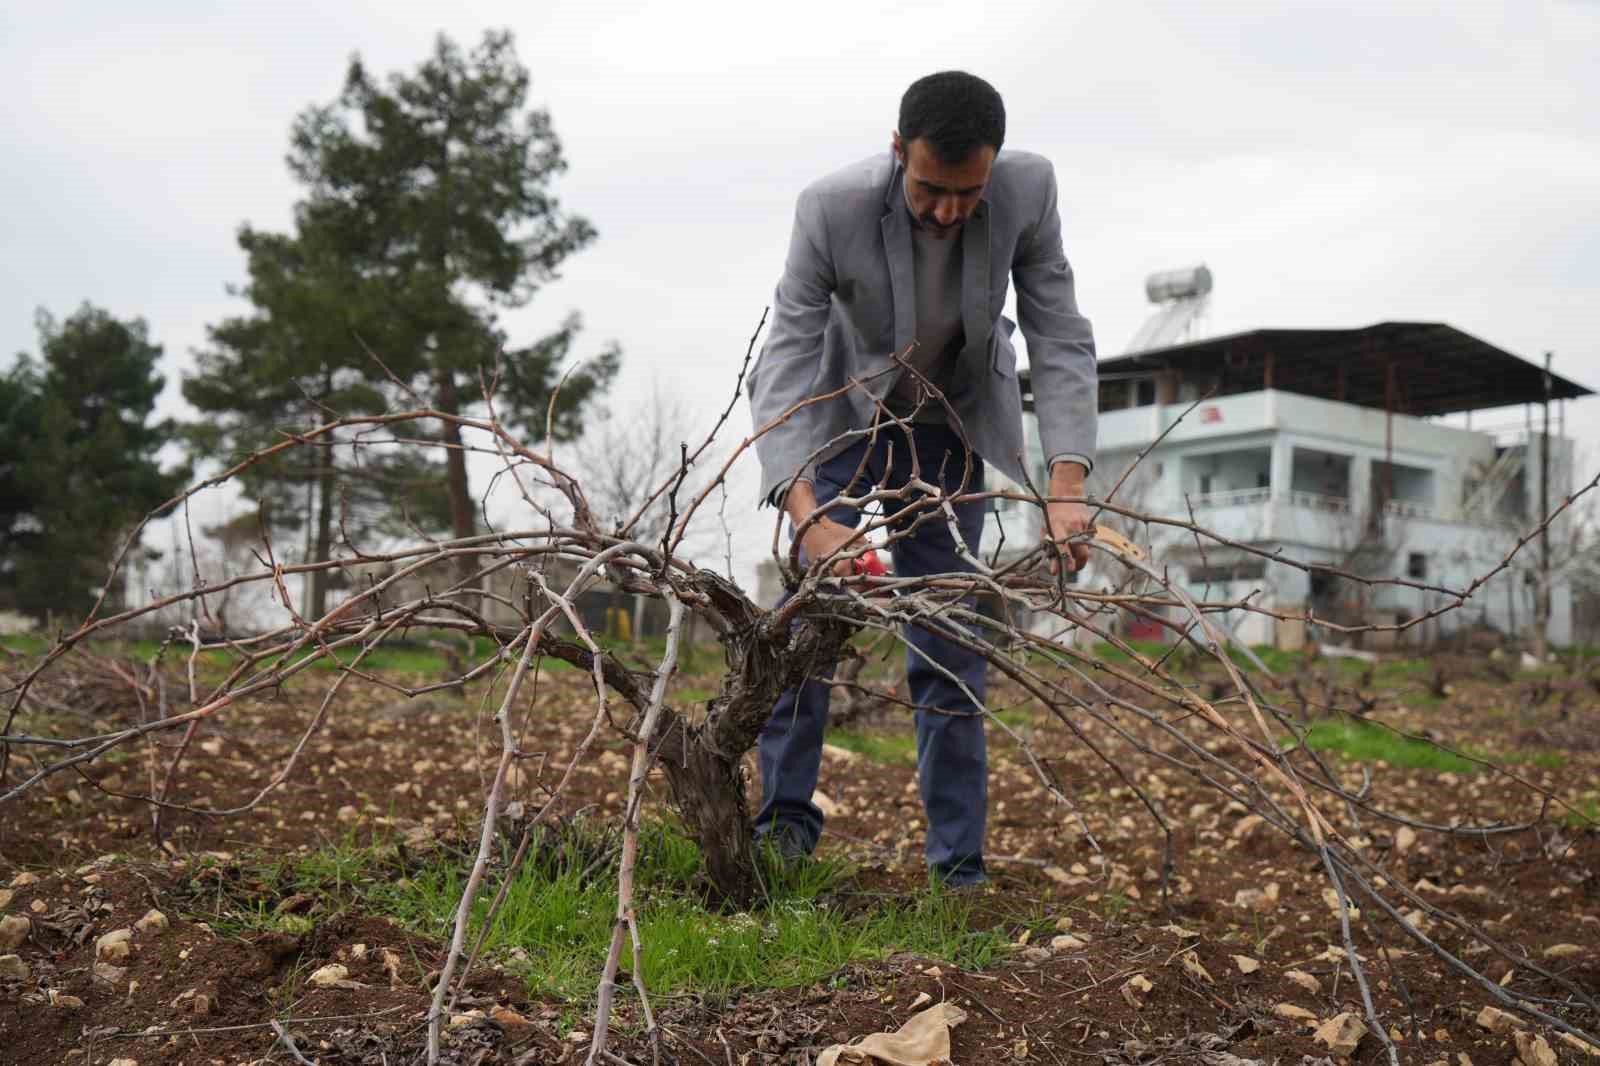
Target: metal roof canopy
[(1437, 369)]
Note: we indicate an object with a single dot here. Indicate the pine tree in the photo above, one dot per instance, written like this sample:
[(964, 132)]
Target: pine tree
[(428, 210), (81, 458), (435, 186)]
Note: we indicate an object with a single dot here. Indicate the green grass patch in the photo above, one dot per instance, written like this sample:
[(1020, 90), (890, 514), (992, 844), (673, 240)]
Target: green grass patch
[(1150, 649), (1401, 669), (339, 874), (1369, 742), (1016, 718), (1584, 815), (560, 911), (895, 749), (1365, 742)]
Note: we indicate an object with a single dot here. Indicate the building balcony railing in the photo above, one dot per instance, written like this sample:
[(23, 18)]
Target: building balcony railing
[(1317, 501), (1411, 509), (1235, 498)]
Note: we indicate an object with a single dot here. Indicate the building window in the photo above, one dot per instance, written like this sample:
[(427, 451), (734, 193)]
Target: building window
[(1144, 393), (1216, 574), (1205, 484), (1417, 565)]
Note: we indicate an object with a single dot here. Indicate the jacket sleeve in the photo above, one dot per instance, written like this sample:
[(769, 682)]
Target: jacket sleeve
[(790, 367), (1060, 340)]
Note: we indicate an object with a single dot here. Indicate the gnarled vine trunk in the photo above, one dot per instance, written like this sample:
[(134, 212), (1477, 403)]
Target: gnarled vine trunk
[(703, 761)]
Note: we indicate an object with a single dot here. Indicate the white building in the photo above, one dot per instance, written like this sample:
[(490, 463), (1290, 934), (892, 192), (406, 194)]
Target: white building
[(1353, 449)]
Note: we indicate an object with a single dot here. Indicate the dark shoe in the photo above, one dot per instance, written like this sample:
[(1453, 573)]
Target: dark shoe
[(787, 842), (965, 877)]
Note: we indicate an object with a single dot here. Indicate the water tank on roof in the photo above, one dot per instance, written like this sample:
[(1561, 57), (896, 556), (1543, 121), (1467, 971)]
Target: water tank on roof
[(1167, 285)]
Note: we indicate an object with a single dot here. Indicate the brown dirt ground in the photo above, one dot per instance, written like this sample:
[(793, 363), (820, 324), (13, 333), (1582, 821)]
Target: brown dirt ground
[(418, 767)]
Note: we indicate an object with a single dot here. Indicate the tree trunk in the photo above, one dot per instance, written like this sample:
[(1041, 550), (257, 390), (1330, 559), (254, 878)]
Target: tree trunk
[(708, 790), (702, 762), (324, 546), (462, 523)]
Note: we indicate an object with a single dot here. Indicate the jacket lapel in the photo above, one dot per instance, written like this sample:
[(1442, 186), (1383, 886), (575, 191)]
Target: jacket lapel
[(975, 317), (897, 247)]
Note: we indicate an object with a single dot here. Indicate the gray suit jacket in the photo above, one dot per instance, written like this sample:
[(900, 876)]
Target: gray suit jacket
[(847, 301)]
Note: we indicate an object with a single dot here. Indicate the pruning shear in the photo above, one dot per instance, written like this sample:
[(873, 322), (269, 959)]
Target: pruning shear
[(869, 565)]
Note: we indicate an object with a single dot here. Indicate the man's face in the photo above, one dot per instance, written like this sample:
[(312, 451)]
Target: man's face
[(942, 196)]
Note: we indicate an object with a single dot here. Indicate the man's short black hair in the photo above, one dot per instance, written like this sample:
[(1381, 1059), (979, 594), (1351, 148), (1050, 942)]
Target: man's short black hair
[(955, 112)]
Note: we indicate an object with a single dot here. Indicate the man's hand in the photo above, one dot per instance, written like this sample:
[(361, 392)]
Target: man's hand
[(823, 537), (1062, 520)]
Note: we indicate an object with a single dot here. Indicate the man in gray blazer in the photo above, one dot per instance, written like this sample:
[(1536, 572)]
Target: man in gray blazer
[(913, 252)]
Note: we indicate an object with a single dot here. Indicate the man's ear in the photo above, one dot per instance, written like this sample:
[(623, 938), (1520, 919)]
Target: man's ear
[(899, 149)]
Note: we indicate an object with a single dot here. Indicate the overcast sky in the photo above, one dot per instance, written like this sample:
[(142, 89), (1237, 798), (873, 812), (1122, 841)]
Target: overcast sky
[(1335, 164)]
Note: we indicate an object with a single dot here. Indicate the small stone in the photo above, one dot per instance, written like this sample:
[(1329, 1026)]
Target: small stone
[(13, 968), (1304, 980), (1252, 899), (1058, 875), (1066, 942), (66, 1002), (509, 1018), (1063, 925), (1195, 968), (1580, 1045), (1036, 954), (1534, 1050), (458, 1020), (1248, 825), (347, 813), (123, 1062), (1246, 964), (24, 879), (391, 966), (152, 922), (38, 906), (825, 803), (934, 972), (114, 946), (1291, 1013), (13, 931), (1495, 1020), (1341, 1034), (110, 973), (332, 974), (6, 896), (1405, 838), (1562, 951), (1134, 989)]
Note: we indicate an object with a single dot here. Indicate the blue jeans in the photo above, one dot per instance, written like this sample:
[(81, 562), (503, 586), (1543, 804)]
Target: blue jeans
[(952, 754)]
